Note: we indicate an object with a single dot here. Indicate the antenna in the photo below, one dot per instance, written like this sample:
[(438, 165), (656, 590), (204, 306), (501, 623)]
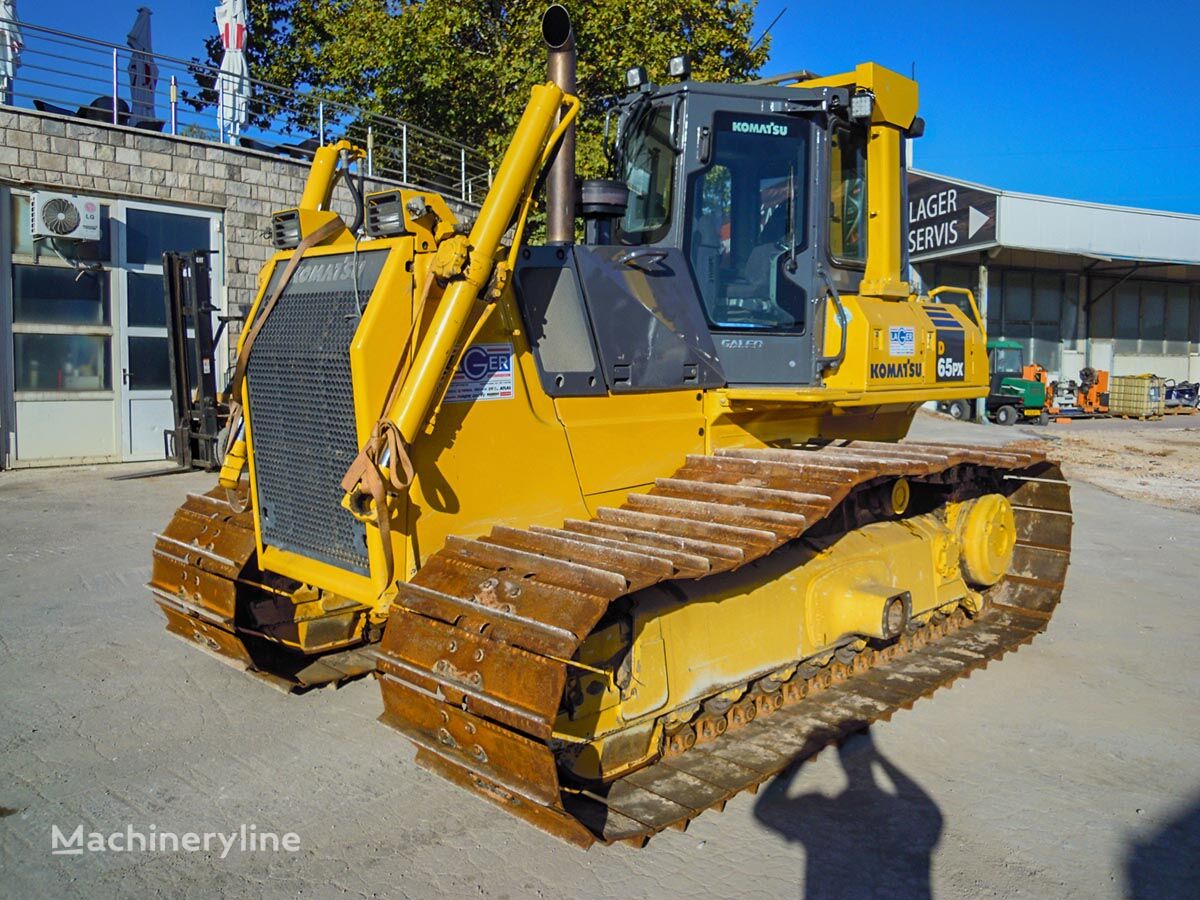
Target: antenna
[(767, 30)]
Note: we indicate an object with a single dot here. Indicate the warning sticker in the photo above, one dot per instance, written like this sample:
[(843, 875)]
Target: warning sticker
[(902, 340), (485, 373)]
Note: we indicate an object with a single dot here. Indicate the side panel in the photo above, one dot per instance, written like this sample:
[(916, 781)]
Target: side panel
[(495, 453), (555, 314), (894, 350), (895, 347), (627, 441), (646, 316)]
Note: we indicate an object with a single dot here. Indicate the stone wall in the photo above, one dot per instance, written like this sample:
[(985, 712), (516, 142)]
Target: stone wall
[(63, 153)]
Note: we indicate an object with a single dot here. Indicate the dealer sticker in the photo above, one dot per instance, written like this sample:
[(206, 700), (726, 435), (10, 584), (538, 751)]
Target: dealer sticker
[(485, 373), (902, 340)]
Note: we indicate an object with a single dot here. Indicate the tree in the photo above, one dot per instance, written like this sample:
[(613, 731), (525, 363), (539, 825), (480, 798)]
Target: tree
[(463, 68)]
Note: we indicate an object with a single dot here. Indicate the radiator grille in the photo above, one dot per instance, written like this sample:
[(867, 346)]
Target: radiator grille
[(301, 414)]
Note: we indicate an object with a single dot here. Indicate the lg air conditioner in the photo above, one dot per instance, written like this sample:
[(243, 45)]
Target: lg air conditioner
[(65, 216)]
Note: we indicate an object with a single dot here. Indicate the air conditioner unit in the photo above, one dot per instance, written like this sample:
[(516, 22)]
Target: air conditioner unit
[(65, 216)]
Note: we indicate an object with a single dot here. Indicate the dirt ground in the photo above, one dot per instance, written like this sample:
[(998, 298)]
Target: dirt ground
[(1071, 769), (1157, 462)]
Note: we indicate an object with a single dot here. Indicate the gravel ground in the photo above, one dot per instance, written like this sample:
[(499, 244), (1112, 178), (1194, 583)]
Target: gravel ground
[(1072, 769), (1157, 461)]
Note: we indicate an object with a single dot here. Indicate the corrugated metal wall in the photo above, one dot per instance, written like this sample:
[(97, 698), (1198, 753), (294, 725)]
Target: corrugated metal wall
[(1065, 320)]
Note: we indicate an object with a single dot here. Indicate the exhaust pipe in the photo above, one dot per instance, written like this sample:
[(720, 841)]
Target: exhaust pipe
[(560, 183)]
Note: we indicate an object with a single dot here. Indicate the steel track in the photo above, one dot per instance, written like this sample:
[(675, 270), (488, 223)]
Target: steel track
[(473, 662)]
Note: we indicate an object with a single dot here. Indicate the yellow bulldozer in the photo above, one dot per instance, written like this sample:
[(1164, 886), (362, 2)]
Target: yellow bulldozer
[(623, 525)]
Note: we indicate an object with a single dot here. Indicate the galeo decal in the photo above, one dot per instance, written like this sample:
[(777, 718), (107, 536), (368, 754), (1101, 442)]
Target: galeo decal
[(774, 129), (742, 343), (907, 369), (485, 373)]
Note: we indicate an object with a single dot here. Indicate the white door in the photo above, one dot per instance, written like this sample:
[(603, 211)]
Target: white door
[(145, 232)]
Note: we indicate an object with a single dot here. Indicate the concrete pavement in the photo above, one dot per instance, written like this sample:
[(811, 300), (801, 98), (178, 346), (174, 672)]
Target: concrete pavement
[(1071, 769)]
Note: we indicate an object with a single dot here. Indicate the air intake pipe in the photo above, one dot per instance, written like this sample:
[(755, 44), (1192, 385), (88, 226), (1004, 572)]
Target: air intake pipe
[(560, 182)]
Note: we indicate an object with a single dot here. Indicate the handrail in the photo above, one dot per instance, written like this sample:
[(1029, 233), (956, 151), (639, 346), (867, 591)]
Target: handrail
[(833, 362), (950, 289), (73, 73)]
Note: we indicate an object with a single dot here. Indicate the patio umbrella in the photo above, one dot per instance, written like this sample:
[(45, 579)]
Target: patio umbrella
[(143, 70), (10, 48), (233, 82)]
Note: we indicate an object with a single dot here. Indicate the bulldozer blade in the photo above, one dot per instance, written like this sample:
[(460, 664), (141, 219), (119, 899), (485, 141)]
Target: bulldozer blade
[(203, 562)]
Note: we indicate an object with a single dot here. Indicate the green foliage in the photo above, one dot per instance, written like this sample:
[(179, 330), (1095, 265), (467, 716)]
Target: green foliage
[(463, 68)]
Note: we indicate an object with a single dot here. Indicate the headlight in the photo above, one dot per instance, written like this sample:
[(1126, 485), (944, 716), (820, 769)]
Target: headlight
[(860, 106), (285, 229), (385, 214)]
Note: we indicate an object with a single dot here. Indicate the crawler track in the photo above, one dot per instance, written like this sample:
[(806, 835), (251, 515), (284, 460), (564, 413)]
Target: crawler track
[(204, 564), (473, 664)]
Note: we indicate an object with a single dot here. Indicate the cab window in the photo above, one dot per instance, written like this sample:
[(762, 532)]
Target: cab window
[(848, 195), (1007, 359), (746, 223), (649, 173)]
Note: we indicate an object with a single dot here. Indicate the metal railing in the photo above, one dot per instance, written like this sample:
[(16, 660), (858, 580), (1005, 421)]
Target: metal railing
[(68, 74)]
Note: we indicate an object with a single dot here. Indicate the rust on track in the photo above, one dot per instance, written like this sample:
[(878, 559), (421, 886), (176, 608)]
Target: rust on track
[(473, 661)]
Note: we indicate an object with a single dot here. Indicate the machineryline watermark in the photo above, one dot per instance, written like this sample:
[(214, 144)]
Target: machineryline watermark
[(246, 839)]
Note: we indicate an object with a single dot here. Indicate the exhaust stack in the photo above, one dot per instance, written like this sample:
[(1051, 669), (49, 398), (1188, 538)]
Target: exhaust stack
[(560, 183)]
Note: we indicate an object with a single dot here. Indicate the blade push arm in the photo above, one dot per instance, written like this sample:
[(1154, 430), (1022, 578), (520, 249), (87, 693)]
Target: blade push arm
[(531, 147), (467, 264)]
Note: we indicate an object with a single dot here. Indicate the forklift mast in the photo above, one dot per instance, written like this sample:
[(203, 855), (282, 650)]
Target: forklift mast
[(199, 414)]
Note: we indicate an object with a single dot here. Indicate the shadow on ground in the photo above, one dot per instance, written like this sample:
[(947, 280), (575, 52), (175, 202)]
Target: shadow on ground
[(1167, 863), (874, 839)]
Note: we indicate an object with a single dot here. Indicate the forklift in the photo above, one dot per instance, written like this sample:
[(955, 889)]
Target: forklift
[(199, 412)]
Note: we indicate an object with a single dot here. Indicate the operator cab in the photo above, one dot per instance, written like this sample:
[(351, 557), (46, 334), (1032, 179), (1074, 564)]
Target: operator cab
[(734, 211), (1006, 359), (762, 188)]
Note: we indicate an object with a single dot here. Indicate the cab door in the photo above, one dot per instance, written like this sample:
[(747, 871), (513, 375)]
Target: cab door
[(748, 239)]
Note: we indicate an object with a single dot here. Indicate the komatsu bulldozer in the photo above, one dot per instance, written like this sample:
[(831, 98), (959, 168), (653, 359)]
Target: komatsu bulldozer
[(624, 524)]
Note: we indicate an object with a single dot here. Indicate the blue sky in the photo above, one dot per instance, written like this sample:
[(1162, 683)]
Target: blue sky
[(1095, 101)]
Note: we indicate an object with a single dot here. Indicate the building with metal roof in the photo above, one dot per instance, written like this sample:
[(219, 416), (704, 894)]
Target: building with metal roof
[(1078, 284)]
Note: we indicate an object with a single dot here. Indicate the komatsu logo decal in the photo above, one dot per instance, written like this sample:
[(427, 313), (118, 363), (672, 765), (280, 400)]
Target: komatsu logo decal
[(906, 369), (329, 269), (774, 129), (334, 273)]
